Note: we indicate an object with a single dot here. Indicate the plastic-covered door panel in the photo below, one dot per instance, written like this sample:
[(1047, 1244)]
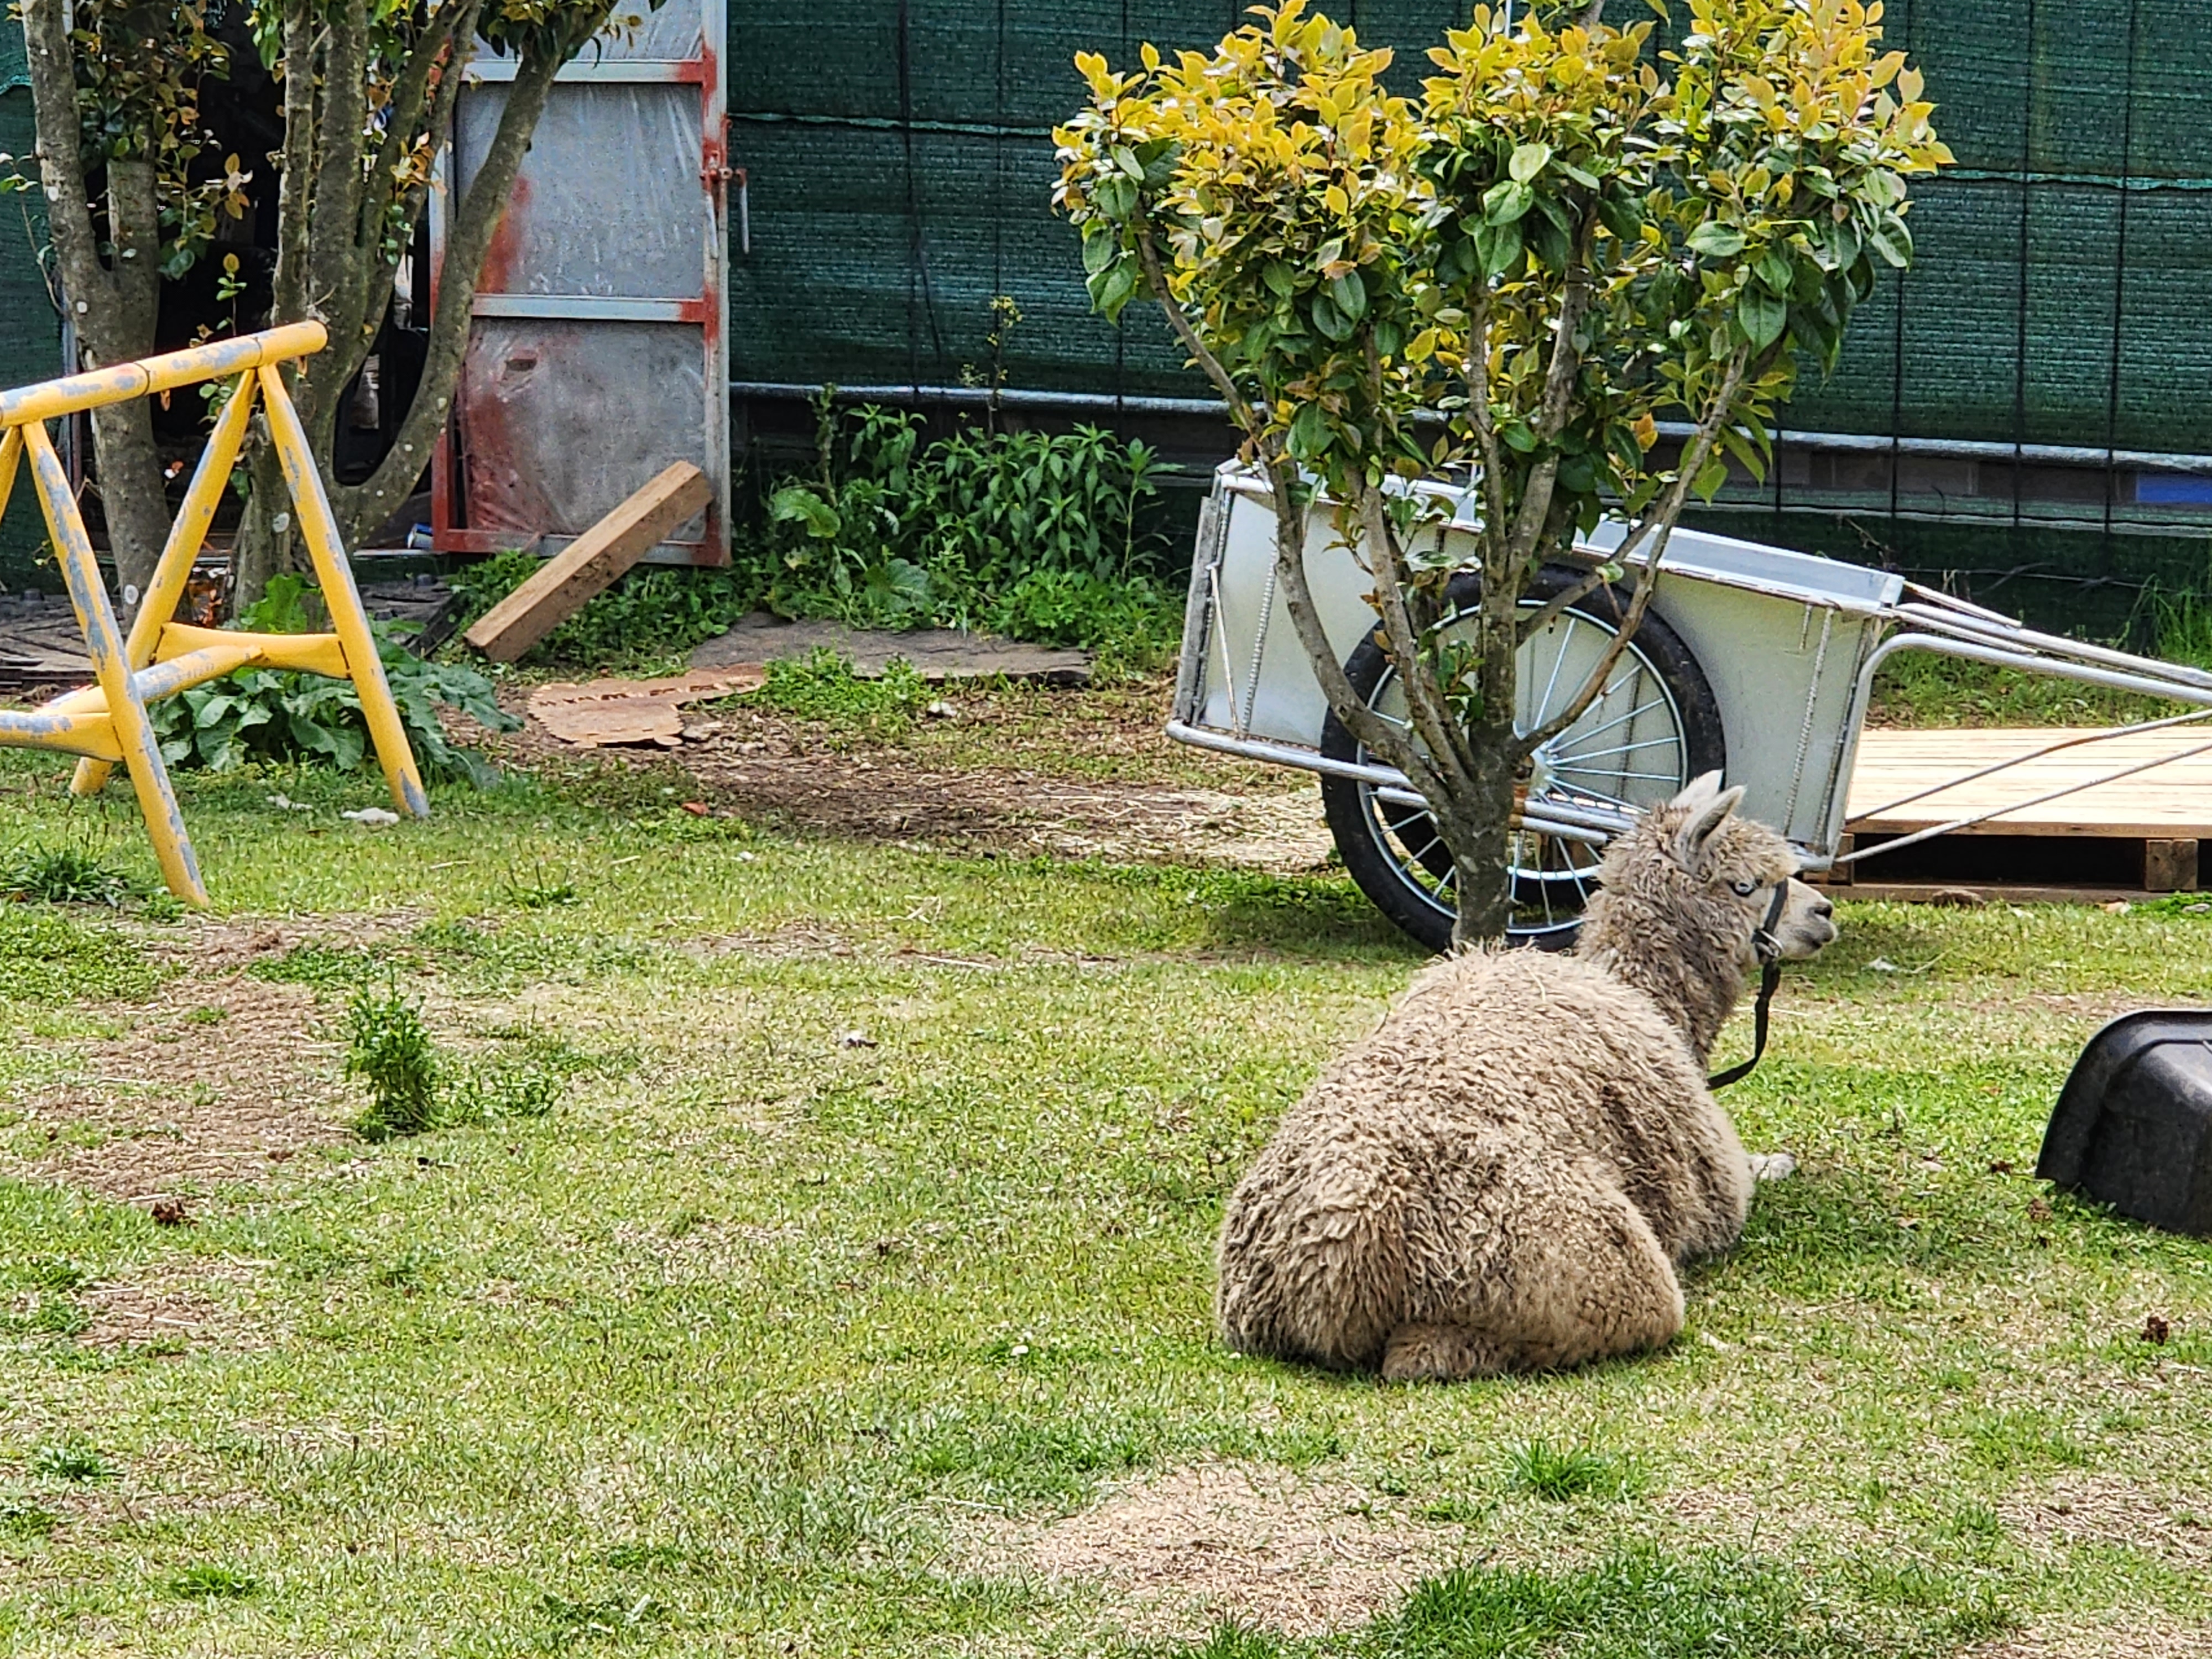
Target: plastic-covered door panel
[(596, 356)]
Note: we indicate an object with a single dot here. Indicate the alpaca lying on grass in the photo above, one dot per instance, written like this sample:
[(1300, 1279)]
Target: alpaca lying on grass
[(1504, 1176)]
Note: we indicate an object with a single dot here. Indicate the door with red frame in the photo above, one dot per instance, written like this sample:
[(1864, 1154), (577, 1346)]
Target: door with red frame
[(596, 356)]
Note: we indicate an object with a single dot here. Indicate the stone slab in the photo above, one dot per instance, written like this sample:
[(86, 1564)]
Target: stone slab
[(937, 654)]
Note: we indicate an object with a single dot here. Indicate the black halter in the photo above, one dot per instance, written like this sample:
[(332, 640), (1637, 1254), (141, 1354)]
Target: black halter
[(1768, 950)]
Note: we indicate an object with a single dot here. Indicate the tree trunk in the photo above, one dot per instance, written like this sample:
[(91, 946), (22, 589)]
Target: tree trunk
[(1474, 823), (114, 306)]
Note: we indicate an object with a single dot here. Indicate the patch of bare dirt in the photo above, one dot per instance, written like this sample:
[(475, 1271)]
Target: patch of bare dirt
[(1179, 1551), (2128, 1640), (219, 1081), (176, 1306), (2109, 1509), (1070, 775), (224, 943)]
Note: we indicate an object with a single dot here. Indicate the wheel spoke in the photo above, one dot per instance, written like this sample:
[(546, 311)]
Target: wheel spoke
[(1615, 772), (1581, 736), (1559, 661), (1623, 748)]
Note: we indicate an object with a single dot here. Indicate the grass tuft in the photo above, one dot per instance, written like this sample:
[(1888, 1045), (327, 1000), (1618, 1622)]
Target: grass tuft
[(76, 1461), (202, 1582), (1562, 1474), (63, 875)]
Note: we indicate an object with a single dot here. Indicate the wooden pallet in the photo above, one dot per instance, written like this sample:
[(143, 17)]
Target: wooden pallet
[(2131, 835)]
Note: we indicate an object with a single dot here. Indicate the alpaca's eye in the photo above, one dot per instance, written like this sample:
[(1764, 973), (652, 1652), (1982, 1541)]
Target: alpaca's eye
[(1744, 888)]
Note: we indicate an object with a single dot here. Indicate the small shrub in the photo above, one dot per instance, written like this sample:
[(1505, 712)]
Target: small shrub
[(389, 1049), (202, 1582), (63, 875), (651, 614), (1562, 1472)]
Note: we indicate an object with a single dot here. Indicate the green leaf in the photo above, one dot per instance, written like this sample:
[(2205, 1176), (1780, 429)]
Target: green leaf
[(1762, 316), (1279, 279), (1350, 294), (1893, 241), (1503, 204), (1716, 239), (1527, 162), (1775, 269), (1497, 247), (1100, 249), (1112, 289), (1309, 433), (1708, 481), (1126, 159), (795, 503), (1333, 323)]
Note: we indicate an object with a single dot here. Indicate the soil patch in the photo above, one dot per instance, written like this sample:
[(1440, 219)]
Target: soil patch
[(1182, 1551), (2106, 1509), (173, 1307), (220, 1081)]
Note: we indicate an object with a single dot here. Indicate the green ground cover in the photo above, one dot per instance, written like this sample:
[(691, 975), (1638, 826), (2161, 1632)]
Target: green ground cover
[(828, 1246)]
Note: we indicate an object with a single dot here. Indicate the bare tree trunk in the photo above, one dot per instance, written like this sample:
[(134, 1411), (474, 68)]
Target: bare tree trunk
[(115, 306)]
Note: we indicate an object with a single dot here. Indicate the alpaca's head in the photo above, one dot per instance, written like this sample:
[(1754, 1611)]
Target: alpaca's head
[(1694, 869)]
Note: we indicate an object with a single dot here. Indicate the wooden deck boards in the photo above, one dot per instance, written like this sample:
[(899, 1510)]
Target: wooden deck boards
[(2170, 801)]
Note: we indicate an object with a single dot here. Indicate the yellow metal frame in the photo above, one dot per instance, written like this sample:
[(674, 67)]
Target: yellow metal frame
[(105, 723)]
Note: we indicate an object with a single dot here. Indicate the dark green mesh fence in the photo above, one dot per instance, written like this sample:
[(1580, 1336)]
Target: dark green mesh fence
[(30, 333), (900, 163)]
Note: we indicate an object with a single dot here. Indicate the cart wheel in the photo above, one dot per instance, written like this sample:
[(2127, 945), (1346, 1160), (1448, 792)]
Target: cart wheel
[(1654, 728)]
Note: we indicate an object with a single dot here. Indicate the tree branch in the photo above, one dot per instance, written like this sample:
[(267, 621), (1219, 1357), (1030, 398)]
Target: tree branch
[(1363, 722), (468, 237), (1669, 512)]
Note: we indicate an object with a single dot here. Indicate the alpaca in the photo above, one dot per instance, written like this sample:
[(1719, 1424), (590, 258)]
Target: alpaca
[(1504, 1176)]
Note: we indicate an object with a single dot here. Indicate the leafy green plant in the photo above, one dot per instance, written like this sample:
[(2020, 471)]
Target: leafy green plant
[(890, 533), (63, 875), (389, 1049), (75, 1460), (20, 1518), (822, 686), (649, 615), (276, 715)]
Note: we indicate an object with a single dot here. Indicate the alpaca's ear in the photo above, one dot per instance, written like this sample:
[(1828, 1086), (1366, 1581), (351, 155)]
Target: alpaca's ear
[(1690, 843), (1699, 791)]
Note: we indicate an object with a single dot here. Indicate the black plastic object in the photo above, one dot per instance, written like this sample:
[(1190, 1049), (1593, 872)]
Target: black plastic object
[(2134, 1124)]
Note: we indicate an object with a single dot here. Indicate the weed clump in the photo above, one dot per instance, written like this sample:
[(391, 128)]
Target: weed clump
[(63, 875), (389, 1049), (413, 1088), (822, 686)]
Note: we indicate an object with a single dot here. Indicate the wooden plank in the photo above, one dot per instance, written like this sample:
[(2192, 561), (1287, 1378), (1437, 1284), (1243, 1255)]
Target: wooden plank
[(587, 565), (2169, 866), (2171, 801)]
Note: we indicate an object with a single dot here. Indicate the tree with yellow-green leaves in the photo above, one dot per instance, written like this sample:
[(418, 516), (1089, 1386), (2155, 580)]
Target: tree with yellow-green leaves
[(1567, 237)]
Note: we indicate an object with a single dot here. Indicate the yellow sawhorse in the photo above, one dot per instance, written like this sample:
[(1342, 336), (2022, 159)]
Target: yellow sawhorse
[(106, 723)]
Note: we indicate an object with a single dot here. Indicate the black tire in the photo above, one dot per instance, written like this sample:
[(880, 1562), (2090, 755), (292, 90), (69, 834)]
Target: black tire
[(1392, 850)]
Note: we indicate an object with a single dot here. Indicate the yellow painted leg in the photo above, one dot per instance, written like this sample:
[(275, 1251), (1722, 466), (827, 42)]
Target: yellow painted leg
[(185, 536), (103, 640), (11, 451), (340, 596)]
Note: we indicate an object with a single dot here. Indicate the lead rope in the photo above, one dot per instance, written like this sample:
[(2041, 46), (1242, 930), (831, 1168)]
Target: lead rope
[(1768, 948)]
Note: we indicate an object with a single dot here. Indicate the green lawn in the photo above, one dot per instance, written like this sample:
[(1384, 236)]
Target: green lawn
[(852, 1296)]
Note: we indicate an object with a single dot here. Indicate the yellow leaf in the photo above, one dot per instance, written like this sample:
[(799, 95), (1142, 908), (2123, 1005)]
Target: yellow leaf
[(1647, 431)]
